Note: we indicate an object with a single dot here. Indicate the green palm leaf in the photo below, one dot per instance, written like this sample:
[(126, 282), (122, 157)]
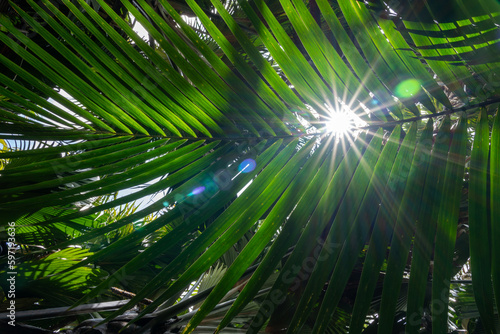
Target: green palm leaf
[(222, 125)]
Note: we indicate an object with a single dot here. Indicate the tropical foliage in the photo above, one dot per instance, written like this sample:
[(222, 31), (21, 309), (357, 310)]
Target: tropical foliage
[(255, 215)]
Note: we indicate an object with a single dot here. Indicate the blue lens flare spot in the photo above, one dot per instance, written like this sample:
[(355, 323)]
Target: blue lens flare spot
[(166, 203), (407, 88), (247, 165)]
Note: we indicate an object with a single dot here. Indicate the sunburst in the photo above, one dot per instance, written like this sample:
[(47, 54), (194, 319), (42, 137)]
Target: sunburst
[(340, 123)]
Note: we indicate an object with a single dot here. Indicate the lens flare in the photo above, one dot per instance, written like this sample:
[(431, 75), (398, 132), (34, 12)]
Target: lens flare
[(197, 191), (247, 165), (407, 88)]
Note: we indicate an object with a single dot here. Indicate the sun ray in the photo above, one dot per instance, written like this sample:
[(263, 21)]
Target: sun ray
[(342, 121)]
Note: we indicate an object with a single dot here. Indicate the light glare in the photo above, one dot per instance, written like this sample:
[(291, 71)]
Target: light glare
[(340, 123)]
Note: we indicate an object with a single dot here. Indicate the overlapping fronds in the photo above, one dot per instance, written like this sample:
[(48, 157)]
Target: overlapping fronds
[(226, 120)]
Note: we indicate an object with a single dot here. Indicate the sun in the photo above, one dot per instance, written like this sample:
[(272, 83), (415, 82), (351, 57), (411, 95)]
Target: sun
[(339, 123)]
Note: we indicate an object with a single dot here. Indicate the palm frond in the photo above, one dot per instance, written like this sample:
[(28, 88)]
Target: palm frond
[(226, 119)]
